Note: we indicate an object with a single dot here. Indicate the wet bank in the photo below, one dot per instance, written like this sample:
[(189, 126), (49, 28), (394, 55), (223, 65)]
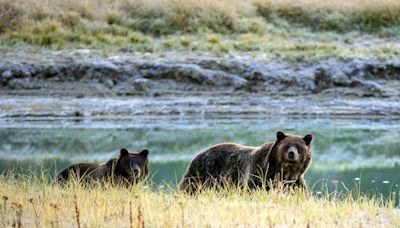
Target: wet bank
[(61, 85), (200, 106)]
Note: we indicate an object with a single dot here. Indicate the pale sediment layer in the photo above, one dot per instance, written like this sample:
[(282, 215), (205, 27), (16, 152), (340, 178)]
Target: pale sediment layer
[(129, 85)]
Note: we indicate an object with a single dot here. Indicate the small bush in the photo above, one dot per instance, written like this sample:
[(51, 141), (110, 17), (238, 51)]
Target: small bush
[(71, 19), (250, 25), (10, 15), (114, 18), (138, 38), (333, 15), (46, 33)]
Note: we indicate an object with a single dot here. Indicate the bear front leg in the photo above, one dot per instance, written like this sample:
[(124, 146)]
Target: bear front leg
[(301, 184)]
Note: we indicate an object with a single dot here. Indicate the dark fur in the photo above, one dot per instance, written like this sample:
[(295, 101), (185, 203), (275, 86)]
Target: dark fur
[(250, 167), (127, 167)]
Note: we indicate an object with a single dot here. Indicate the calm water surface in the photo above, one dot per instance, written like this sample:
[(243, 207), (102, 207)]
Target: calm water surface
[(365, 152)]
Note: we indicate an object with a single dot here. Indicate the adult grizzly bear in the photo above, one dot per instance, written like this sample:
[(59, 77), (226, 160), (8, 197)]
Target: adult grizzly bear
[(285, 160), (127, 168)]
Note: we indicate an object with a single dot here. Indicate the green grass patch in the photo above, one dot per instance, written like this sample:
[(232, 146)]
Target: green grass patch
[(296, 31)]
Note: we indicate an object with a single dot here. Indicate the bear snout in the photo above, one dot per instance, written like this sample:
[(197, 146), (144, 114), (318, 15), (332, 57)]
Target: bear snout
[(136, 171), (292, 154)]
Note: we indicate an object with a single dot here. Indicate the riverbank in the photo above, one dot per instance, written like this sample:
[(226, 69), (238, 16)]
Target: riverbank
[(79, 83), (124, 58), (30, 202)]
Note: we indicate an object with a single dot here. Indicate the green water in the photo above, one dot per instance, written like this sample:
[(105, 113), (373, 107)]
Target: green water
[(343, 149)]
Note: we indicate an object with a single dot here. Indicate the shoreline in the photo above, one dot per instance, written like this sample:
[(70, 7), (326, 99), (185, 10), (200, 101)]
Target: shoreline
[(201, 107), (128, 85)]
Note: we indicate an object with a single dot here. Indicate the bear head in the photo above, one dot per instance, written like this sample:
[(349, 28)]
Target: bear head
[(291, 154), (133, 167)]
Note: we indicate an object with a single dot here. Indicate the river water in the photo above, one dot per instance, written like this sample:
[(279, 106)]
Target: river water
[(346, 152)]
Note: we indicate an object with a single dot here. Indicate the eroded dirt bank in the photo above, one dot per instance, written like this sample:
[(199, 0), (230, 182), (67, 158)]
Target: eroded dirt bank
[(67, 85)]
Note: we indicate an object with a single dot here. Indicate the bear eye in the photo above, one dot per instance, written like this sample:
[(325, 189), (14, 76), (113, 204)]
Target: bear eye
[(286, 147), (299, 150)]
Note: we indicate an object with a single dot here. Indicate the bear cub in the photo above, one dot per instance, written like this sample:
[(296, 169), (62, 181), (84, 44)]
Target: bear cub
[(128, 168), (228, 164)]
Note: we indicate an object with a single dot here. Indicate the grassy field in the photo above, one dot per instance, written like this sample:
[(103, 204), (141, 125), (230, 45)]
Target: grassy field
[(283, 29), (33, 202)]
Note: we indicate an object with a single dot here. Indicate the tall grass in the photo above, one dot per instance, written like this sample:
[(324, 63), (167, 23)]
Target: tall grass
[(339, 16), (115, 22), (35, 202), (170, 16)]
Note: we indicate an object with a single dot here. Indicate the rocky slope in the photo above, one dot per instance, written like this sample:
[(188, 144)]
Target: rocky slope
[(129, 85)]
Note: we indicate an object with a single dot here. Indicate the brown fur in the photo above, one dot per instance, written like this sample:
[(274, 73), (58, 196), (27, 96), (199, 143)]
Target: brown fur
[(127, 167), (251, 167)]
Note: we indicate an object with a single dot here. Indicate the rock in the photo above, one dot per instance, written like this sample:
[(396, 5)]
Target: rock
[(22, 83), (128, 76), (141, 84), (104, 65), (107, 82), (50, 71), (190, 73), (6, 75), (322, 80), (371, 88), (339, 78), (21, 71), (201, 76)]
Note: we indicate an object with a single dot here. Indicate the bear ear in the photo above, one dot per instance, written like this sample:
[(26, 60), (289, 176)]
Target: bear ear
[(124, 152), (307, 139), (280, 136), (144, 153)]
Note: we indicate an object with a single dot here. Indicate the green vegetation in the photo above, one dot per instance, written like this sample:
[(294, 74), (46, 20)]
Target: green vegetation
[(28, 201), (300, 30)]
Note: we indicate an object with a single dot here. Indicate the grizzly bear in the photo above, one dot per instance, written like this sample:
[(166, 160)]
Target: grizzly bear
[(127, 168), (229, 164)]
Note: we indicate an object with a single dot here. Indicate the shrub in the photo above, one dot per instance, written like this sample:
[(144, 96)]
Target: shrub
[(10, 15)]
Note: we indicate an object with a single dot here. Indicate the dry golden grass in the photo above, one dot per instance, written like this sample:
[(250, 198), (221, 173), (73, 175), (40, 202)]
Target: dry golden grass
[(30, 202), (340, 16), (169, 16), (283, 29)]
